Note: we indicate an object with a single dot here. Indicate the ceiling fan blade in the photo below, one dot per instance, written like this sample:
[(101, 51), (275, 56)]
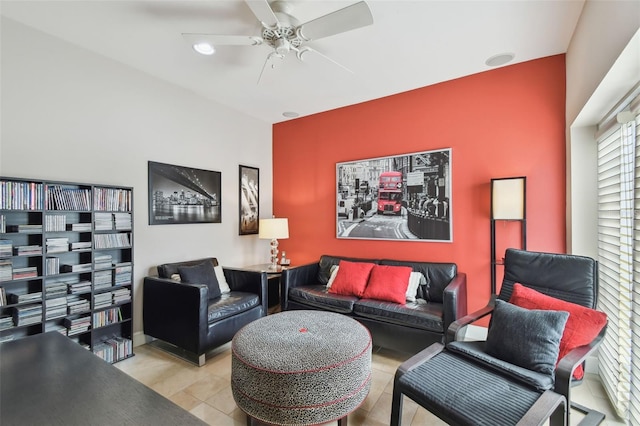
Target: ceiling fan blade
[(273, 61), (263, 12), (304, 55), (351, 17), (222, 40)]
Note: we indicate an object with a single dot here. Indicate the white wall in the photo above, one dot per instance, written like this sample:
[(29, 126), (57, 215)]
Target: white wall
[(71, 115), (603, 63)]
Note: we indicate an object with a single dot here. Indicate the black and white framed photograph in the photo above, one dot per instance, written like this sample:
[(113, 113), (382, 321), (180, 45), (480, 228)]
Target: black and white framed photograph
[(404, 197), (249, 199), (180, 194)]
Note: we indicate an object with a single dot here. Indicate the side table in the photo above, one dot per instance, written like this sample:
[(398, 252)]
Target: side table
[(273, 278)]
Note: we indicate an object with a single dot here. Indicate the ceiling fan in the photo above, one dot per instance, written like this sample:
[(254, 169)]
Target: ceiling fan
[(283, 33)]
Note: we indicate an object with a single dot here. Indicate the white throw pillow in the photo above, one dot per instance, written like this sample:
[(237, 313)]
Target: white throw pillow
[(334, 272), (415, 279), (222, 281), (176, 277)]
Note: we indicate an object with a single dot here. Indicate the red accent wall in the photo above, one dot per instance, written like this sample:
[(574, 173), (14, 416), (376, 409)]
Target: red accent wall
[(500, 123)]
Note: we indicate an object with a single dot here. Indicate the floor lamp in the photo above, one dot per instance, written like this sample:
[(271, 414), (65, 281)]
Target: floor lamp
[(508, 203)]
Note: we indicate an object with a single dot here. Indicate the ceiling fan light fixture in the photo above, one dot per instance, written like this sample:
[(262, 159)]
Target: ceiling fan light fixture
[(204, 48), (282, 46), (500, 59)]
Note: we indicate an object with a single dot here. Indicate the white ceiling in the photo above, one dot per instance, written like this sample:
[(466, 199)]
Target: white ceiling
[(411, 44)]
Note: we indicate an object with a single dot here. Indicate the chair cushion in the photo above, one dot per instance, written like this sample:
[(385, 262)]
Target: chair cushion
[(453, 387), (582, 327), (420, 314), (167, 269), (222, 281), (388, 283), (327, 261), (477, 352), (203, 273), (437, 277), (230, 304), (527, 338), (352, 278), (415, 279), (332, 277), (318, 296), (563, 276)]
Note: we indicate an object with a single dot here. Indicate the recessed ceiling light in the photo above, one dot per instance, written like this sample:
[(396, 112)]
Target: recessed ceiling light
[(204, 48), (500, 59), (290, 114)]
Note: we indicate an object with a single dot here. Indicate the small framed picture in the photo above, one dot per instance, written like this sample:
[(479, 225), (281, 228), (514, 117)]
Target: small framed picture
[(179, 194), (249, 199)]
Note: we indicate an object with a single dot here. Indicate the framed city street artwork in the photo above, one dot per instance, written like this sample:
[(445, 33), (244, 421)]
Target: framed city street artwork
[(180, 194), (249, 199), (404, 197)]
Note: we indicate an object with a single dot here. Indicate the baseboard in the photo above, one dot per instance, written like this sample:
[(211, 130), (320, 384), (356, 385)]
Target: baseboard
[(139, 338)]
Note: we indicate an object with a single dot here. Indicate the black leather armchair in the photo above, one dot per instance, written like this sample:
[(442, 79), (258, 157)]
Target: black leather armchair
[(187, 322), (462, 384)]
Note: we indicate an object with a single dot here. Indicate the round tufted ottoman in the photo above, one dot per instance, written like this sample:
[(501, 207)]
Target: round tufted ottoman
[(301, 367)]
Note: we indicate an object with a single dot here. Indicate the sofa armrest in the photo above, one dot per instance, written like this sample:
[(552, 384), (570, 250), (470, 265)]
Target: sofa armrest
[(295, 277), (249, 281), (454, 300), (175, 312), (458, 325)]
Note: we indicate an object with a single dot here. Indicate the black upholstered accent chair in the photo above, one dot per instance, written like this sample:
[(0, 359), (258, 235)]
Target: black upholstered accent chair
[(461, 383), (188, 322)]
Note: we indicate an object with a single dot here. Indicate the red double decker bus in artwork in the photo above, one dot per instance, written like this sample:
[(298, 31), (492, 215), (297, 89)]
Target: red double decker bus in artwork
[(390, 193)]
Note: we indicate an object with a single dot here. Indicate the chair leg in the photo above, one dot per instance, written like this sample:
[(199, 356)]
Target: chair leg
[(559, 416), (396, 407), (342, 421), (592, 417)]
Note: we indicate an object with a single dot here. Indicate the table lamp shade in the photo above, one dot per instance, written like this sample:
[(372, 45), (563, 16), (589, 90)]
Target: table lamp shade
[(507, 198), (276, 228)]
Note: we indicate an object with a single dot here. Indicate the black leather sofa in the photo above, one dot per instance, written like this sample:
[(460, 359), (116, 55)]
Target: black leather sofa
[(406, 328), (189, 323)]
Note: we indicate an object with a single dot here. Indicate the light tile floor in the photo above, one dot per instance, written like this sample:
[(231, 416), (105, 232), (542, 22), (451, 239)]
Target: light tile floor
[(206, 392)]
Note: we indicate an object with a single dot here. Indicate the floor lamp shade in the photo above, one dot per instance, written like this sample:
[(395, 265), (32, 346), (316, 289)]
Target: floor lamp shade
[(508, 198)]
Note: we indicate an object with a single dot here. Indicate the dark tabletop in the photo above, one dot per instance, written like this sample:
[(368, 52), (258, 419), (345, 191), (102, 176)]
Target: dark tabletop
[(47, 379)]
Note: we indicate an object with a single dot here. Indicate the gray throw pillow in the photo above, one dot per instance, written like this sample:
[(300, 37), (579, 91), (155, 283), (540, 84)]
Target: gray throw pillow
[(526, 338), (202, 273)]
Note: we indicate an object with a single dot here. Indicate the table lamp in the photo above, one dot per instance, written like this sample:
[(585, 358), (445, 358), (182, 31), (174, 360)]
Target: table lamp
[(272, 229)]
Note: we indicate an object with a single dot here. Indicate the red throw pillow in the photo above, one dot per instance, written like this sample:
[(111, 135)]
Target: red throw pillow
[(583, 324), (351, 278), (388, 283)]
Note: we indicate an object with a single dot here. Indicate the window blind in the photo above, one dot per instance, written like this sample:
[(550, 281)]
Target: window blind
[(615, 295), (635, 320), (619, 261)]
